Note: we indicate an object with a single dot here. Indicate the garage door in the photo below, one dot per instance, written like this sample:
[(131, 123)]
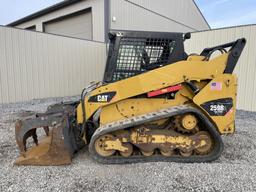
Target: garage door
[(76, 25)]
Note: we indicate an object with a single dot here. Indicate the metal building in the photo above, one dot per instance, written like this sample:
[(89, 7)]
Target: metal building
[(92, 19), (38, 65)]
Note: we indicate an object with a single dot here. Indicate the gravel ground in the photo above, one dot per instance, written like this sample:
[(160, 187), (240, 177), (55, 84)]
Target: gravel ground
[(234, 171)]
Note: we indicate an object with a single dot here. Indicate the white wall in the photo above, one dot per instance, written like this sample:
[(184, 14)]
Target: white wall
[(246, 67), (132, 15), (38, 65), (97, 17), (141, 15)]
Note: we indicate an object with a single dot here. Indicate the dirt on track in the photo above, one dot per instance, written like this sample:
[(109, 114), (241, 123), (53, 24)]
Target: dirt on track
[(234, 171)]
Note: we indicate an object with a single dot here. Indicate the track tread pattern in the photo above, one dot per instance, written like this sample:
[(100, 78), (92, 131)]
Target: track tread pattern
[(164, 113)]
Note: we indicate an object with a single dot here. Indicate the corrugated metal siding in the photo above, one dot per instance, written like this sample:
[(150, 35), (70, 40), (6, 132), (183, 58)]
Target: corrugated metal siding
[(184, 11), (246, 67), (130, 16), (79, 26), (97, 7), (37, 65)]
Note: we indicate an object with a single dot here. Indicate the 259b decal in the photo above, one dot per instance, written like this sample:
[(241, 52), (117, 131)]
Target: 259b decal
[(218, 107)]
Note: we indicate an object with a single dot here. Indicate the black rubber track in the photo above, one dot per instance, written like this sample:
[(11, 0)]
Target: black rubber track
[(134, 121)]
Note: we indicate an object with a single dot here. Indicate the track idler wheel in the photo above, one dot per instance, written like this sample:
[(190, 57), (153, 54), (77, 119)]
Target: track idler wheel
[(100, 146), (208, 145)]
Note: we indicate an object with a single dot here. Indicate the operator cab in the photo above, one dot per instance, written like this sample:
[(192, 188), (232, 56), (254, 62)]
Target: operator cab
[(132, 53)]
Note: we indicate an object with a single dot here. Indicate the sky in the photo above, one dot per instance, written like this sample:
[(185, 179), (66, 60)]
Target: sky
[(218, 13), (223, 13), (12, 10)]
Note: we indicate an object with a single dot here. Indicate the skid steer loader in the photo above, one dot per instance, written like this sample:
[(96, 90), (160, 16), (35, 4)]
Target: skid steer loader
[(156, 103)]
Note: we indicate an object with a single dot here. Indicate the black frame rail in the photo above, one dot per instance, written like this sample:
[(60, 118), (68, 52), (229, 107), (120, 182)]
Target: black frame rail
[(236, 48)]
